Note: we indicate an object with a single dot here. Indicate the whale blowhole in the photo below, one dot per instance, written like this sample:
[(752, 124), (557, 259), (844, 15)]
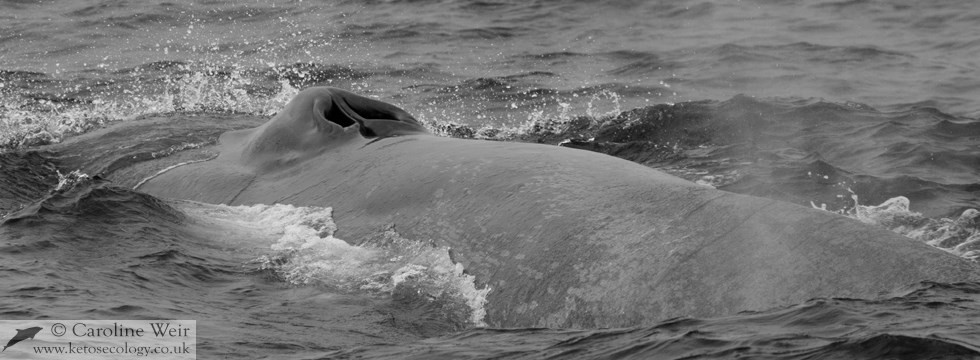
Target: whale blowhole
[(343, 121), (347, 121)]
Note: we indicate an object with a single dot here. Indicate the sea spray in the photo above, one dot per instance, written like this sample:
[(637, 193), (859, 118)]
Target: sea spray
[(28, 122)]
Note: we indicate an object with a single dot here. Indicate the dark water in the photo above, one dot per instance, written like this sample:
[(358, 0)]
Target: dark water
[(817, 329), (839, 104)]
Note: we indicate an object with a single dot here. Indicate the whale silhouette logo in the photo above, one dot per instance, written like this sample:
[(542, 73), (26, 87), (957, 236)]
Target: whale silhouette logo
[(22, 335)]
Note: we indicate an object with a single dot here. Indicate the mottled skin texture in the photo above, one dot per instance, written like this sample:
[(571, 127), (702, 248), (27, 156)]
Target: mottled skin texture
[(564, 237)]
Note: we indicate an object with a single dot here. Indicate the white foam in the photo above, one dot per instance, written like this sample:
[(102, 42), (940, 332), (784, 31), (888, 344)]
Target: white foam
[(297, 243), (68, 181), (960, 236)]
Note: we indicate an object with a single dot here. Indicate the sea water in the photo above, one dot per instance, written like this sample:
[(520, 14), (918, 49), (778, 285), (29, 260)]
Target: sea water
[(864, 108)]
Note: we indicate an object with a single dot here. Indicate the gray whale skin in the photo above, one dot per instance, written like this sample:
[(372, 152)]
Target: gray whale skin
[(564, 237)]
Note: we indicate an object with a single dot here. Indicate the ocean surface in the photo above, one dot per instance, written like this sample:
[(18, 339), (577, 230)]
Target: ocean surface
[(867, 108)]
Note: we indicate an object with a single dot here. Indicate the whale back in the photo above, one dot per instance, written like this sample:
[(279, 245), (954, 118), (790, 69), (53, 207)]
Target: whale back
[(570, 238), (562, 237)]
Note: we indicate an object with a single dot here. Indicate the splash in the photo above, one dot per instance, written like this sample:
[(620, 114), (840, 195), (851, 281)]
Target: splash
[(959, 236), (26, 121), (562, 117), (68, 181), (299, 247), (212, 91), (596, 104)]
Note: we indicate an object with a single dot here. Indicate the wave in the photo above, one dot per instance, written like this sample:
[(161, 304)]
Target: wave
[(901, 326), (135, 240), (95, 249), (93, 202), (791, 149), (26, 176)]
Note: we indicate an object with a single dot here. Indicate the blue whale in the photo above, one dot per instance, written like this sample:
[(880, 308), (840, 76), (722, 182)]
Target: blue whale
[(563, 237)]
